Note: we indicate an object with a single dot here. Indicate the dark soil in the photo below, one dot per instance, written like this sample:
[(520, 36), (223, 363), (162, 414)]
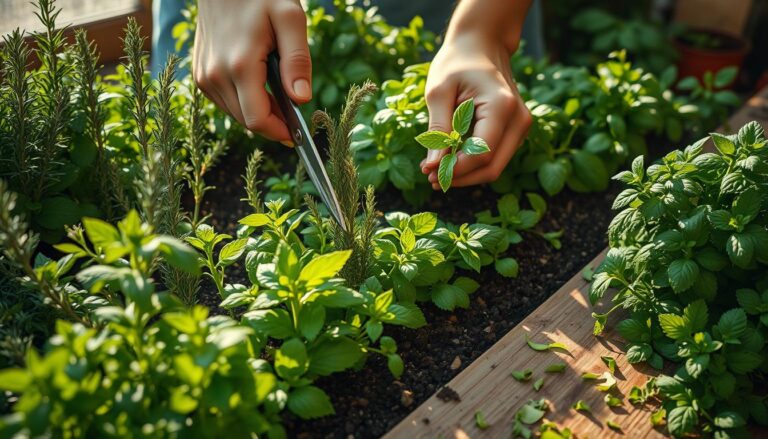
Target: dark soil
[(370, 401)]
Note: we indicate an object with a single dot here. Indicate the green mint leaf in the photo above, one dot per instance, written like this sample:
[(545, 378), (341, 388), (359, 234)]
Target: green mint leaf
[(555, 368), (474, 146), (552, 176), (395, 365), (507, 267), (682, 420), (612, 425), (445, 171), (522, 375), (581, 406), (324, 267), (589, 376), (608, 384), (531, 412), (544, 347), (309, 402), (610, 362), (724, 144), (538, 384), (434, 140), (682, 274), (480, 420), (462, 116), (612, 401), (674, 326)]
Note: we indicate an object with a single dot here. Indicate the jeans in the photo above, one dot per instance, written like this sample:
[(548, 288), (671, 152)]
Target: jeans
[(166, 13)]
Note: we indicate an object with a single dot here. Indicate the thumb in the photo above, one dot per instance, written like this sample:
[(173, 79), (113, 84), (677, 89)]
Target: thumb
[(295, 61)]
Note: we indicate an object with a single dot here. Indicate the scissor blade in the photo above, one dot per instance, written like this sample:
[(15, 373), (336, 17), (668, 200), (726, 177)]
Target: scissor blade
[(305, 146), (319, 177)]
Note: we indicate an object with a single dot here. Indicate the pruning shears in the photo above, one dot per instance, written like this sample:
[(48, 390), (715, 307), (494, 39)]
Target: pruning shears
[(302, 138)]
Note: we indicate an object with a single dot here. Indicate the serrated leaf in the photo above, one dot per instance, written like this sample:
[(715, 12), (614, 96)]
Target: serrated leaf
[(434, 140), (682, 274), (462, 116), (445, 171), (474, 146)]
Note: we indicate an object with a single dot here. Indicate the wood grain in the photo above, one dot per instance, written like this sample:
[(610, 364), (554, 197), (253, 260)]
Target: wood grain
[(486, 384)]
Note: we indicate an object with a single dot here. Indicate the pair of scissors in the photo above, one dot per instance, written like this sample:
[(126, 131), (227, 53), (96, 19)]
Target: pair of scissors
[(302, 138)]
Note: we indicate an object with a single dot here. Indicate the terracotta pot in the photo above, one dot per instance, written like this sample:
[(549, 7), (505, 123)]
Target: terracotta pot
[(695, 61)]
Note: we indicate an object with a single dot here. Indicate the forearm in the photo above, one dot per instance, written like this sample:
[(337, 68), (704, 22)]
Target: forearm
[(494, 20)]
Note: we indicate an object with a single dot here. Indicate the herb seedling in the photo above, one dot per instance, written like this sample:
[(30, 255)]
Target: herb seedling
[(438, 140)]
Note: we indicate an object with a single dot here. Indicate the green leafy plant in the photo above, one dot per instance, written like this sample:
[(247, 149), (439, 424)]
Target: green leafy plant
[(454, 142), (709, 97), (647, 43), (201, 370), (363, 46), (687, 258)]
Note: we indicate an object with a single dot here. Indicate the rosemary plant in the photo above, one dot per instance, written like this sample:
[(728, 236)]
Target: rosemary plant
[(343, 175), (111, 193), (203, 154), (252, 182)]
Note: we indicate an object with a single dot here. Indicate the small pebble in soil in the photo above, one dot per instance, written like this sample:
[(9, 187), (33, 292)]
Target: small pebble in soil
[(456, 363), (446, 394), (406, 398)]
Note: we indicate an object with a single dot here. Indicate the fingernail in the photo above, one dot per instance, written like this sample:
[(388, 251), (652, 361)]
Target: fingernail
[(432, 155), (301, 88), (287, 143)]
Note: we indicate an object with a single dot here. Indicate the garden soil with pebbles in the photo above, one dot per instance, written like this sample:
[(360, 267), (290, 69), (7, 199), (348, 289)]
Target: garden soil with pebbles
[(369, 402)]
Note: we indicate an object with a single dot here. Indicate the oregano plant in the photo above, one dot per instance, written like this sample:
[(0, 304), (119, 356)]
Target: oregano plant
[(455, 141), (688, 257)]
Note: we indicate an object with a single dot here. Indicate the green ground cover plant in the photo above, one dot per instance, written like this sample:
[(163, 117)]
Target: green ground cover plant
[(585, 126), (688, 261)]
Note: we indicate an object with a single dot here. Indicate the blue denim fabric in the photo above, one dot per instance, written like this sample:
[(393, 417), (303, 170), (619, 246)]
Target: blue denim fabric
[(166, 13)]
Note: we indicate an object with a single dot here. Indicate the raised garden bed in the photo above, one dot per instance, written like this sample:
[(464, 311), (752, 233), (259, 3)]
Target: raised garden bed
[(487, 386)]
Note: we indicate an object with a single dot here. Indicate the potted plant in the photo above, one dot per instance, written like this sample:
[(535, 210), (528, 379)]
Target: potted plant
[(704, 50)]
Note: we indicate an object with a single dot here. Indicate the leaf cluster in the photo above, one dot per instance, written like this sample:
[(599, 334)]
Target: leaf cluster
[(688, 259)]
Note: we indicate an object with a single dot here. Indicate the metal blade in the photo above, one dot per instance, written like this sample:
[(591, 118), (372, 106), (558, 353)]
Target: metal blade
[(305, 146)]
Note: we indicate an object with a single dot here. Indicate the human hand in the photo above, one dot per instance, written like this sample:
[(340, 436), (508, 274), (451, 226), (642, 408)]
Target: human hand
[(474, 66), (232, 42)]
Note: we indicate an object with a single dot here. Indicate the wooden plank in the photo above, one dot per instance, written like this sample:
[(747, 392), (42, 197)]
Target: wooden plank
[(104, 20), (730, 16), (486, 384)]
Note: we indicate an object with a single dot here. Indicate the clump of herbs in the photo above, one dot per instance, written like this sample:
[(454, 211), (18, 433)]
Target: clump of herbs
[(688, 258), (358, 235)]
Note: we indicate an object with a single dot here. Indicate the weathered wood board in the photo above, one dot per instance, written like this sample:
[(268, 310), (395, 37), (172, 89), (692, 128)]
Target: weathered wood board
[(486, 384)]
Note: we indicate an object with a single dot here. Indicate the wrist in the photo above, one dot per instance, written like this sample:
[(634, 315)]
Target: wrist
[(493, 23)]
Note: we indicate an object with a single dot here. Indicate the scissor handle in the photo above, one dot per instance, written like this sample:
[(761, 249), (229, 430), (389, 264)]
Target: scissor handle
[(289, 109)]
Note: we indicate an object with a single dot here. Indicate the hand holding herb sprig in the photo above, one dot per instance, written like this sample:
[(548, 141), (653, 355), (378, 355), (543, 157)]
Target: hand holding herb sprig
[(462, 119)]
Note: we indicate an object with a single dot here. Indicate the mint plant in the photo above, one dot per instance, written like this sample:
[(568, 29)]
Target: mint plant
[(687, 259), (454, 142)]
